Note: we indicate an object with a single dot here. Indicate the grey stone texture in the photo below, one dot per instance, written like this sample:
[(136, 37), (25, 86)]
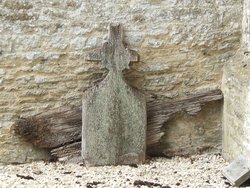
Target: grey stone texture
[(246, 26), (236, 89), (183, 46), (238, 171), (236, 113)]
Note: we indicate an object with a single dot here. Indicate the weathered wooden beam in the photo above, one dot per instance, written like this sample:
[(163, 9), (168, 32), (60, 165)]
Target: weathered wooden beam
[(70, 152), (159, 111), (52, 128), (114, 113), (62, 128)]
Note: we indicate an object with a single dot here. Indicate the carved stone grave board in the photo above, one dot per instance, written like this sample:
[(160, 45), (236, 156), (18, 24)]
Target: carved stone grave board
[(113, 114), (238, 171)]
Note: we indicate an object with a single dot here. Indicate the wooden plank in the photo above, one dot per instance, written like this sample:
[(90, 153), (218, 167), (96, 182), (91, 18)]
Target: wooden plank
[(52, 128), (114, 114)]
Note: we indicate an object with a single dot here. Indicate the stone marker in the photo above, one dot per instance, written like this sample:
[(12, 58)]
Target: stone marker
[(238, 171), (113, 114)]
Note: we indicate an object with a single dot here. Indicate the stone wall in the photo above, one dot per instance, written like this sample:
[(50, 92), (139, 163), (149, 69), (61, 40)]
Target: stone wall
[(236, 89), (183, 46)]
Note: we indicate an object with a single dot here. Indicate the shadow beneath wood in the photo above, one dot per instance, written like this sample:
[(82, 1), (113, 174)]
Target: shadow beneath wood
[(246, 184)]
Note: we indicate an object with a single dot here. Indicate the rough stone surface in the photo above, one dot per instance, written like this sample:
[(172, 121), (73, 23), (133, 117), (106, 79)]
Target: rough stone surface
[(13, 151), (236, 89), (236, 111), (183, 46), (238, 171), (246, 26)]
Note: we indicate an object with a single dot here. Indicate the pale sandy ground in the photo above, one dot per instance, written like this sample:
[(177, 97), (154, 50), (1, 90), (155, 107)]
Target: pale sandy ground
[(199, 171)]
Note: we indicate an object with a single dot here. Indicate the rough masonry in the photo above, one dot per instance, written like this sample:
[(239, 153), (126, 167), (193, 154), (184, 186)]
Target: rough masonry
[(236, 89), (183, 46)]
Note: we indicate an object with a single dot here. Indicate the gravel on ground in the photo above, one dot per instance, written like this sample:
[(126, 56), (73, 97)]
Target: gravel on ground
[(199, 171)]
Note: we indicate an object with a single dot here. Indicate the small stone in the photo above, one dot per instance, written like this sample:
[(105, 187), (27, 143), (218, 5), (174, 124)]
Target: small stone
[(67, 172), (37, 172), (133, 165)]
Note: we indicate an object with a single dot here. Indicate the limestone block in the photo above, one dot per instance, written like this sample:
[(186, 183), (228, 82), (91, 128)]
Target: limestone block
[(238, 171)]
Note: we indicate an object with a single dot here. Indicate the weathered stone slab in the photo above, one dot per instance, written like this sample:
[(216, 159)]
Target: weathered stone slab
[(113, 114), (238, 171)]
